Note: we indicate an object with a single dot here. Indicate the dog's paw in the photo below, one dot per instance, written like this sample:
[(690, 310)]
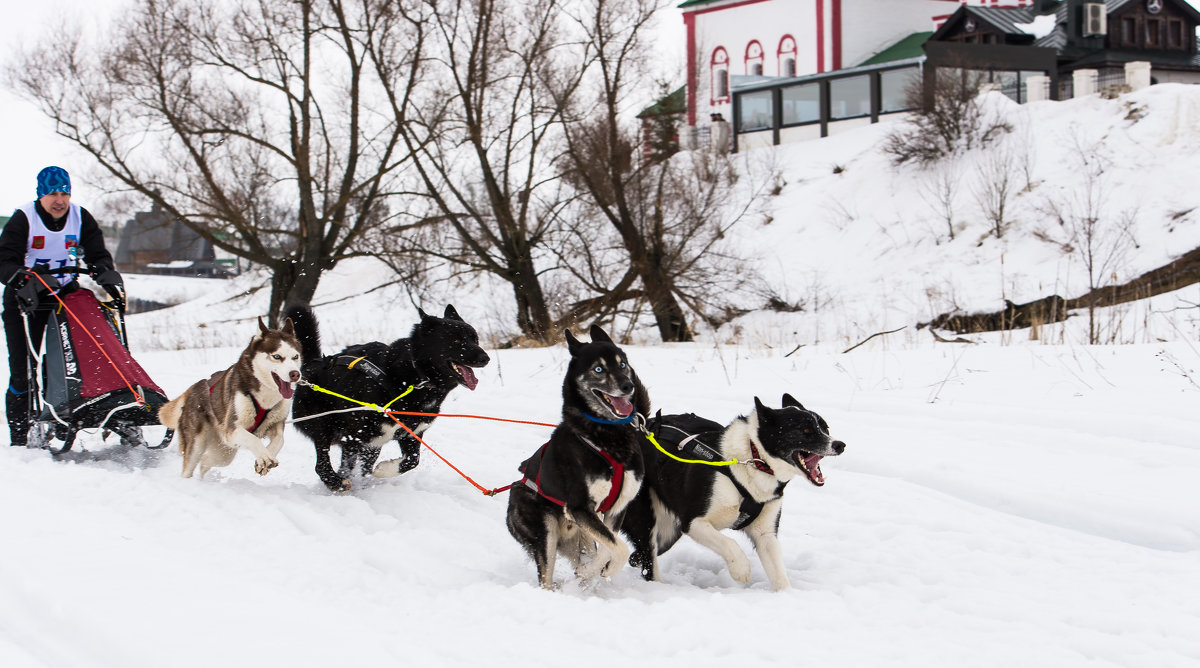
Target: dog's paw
[(616, 561), (593, 568), (389, 469), (739, 569), (264, 466)]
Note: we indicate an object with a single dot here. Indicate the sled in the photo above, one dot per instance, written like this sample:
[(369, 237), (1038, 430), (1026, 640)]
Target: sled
[(87, 378)]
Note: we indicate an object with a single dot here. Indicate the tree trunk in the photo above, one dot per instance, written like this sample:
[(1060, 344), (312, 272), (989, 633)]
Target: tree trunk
[(533, 317), (293, 282), (668, 315)]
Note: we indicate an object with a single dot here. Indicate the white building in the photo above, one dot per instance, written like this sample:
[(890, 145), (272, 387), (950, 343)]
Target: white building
[(788, 38)]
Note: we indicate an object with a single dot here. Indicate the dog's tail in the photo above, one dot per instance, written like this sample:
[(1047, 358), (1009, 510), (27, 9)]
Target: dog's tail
[(170, 412), (304, 322)]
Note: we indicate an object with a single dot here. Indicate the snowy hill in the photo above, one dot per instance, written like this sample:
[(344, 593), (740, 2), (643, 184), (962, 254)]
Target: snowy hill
[(1009, 502)]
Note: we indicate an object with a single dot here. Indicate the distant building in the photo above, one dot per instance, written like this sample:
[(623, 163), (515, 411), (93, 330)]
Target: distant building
[(791, 70), (154, 243), (732, 41)]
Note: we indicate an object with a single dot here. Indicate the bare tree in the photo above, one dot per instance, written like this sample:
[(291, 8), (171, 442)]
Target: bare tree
[(948, 120), (939, 189), (1100, 237), (484, 137), (257, 123), (602, 155), (994, 187)]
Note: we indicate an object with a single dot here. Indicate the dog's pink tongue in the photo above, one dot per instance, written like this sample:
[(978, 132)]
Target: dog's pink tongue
[(812, 467), (286, 389), (468, 376), (621, 405)]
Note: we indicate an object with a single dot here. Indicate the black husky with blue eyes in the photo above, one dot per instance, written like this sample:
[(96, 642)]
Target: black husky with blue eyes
[(575, 488), (412, 374)]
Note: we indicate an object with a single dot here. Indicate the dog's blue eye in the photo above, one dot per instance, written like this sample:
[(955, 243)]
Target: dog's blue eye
[(599, 369)]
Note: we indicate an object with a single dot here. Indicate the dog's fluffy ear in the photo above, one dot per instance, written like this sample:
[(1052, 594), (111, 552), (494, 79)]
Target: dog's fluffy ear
[(573, 344), (288, 328), (789, 400), (599, 335), (453, 314), (641, 398)]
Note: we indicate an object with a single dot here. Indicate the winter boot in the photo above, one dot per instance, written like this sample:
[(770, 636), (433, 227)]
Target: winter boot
[(17, 408)]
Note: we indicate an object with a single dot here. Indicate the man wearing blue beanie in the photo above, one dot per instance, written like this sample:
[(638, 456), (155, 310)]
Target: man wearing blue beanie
[(45, 234)]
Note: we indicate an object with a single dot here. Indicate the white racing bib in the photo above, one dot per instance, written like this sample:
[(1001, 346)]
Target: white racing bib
[(49, 249)]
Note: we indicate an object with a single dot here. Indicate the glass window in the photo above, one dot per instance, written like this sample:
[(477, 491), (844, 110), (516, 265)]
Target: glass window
[(1008, 84), (1153, 29), (721, 84), (894, 86), (850, 97), (1129, 31), (1174, 34), (757, 111), (801, 104), (789, 67)]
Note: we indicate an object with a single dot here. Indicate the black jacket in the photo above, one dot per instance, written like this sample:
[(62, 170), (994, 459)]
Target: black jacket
[(14, 241)]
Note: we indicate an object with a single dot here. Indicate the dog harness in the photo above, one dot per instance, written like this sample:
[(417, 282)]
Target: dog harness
[(691, 446), (536, 483), (260, 413)]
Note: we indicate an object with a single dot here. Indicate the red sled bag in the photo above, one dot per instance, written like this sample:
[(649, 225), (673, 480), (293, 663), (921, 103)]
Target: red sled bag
[(89, 379)]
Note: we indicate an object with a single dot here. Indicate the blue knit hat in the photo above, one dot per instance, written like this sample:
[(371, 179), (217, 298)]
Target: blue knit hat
[(53, 180)]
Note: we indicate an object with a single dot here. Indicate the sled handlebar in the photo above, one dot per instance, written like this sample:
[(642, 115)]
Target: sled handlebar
[(117, 301)]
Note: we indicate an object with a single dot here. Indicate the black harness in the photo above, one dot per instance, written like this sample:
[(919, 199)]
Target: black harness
[(687, 442)]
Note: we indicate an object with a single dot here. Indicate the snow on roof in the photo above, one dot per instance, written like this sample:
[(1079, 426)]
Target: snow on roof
[(1040, 27)]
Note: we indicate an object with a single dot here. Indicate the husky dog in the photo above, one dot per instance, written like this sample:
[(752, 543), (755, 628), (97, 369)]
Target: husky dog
[(413, 374), (575, 488), (701, 500), (238, 407)]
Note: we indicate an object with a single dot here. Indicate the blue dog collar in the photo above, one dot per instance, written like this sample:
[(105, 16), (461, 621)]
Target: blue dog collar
[(625, 420)]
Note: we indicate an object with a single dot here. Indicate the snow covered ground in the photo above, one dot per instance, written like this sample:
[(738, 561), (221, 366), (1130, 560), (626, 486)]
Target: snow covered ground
[(996, 506), (1008, 502)]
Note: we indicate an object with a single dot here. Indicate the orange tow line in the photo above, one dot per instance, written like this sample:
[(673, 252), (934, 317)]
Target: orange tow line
[(486, 491)]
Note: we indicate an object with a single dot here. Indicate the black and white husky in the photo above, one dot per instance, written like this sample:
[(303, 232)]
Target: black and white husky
[(575, 488), (772, 445), (240, 406), (413, 374)]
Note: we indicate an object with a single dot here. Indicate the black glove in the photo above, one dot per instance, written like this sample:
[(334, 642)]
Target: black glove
[(31, 288), (111, 281)]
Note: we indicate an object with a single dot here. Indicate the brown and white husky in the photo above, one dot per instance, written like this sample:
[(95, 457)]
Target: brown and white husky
[(240, 406)]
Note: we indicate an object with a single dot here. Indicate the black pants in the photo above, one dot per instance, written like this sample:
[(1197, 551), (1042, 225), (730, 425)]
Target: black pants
[(20, 364)]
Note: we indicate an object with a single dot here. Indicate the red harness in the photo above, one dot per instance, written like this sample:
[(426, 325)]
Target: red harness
[(618, 479), (260, 413)]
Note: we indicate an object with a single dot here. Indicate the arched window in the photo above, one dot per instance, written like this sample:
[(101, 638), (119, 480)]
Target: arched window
[(719, 72), (754, 58), (787, 56)]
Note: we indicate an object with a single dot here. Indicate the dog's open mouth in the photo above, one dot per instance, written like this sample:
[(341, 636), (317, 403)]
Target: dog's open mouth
[(620, 406), (286, 389), (467, 375), (811, 465)]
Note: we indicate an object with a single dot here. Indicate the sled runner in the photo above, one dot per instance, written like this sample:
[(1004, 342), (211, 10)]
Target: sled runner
[(87, 379)]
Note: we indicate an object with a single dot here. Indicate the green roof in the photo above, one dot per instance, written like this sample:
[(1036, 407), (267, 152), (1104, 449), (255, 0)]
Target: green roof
[(693, 3), (909, 47), (674, 102)]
